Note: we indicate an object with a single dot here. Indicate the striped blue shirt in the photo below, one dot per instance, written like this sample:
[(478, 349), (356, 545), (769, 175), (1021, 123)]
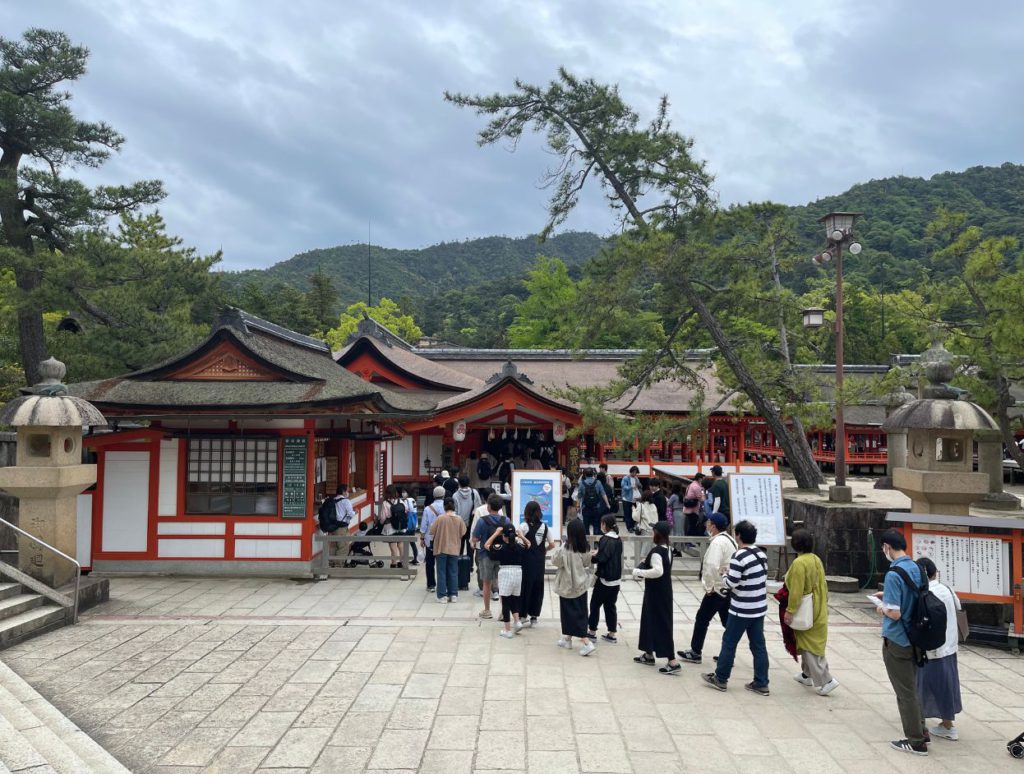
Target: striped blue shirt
[(747, 581)]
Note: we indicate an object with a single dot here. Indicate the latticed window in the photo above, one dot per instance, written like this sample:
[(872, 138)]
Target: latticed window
[(232, 475)]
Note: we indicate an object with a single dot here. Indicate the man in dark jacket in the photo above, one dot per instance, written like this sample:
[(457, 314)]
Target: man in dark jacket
[(658, 498), (608, 558)]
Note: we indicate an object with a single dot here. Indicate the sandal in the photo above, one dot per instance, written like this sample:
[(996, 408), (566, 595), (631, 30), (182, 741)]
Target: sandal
[(644, 659)]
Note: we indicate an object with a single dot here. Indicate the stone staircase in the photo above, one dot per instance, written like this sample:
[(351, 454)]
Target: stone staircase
[(24, 614), (35, 737)]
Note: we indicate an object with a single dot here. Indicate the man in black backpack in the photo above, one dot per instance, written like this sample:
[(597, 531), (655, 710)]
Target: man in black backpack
[(336, 513), (593, 501), (896, 605)]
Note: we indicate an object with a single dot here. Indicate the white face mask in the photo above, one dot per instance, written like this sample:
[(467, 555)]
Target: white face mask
[(886, 554)]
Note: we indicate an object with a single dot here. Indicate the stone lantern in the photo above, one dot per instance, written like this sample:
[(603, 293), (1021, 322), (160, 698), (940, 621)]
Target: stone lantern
[(49, 473), (940, 428)]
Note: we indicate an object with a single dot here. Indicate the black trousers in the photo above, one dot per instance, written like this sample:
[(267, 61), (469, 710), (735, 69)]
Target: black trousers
[(510, 605), (606, 597), (429, 562), (713, 604), (532, 598)]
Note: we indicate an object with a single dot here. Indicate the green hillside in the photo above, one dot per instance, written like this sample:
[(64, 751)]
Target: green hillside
[(433, 269)]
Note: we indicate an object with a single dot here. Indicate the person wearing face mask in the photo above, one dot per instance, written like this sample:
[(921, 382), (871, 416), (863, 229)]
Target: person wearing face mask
[(896, 604)]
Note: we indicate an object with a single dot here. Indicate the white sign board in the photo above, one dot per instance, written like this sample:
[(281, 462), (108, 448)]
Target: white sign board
[(971, 565), (543, 487), (757, 498)]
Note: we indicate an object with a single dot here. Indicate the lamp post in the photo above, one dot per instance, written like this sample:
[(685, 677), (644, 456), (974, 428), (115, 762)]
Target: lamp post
[(839, 232)]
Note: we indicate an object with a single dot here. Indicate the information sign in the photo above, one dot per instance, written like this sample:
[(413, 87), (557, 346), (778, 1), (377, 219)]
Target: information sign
[(970, 565), (543, 487), (757, 498), (294, 488)]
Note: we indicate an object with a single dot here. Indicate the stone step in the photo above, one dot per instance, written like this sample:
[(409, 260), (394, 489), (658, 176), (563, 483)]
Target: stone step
[(65, 748), (35, 621), (19, 603), (16, 752), (9, 590)]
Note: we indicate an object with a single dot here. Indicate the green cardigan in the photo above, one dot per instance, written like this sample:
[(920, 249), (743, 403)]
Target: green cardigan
[(807, 576)]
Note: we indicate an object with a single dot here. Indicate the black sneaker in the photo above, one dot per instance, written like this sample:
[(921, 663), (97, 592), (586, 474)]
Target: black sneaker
[(905, 745), (760, 690), (609, 638), (712, 679), (689, 656)]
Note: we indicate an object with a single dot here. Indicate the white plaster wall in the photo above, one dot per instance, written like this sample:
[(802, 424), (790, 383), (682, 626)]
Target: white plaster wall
[(401, 457), (190, 549), (268, 549), (167, 499), (83, 537), (430, 446), (125, 501)]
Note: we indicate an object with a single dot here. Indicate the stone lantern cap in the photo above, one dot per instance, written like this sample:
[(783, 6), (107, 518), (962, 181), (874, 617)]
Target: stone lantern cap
[(48, 404), (939, 414)]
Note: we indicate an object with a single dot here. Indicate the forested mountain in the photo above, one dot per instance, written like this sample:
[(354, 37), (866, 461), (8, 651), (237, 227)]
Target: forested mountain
[(433, 269)]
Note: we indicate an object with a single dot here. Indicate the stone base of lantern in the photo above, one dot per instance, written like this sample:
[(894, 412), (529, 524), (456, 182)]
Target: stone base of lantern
[(945, 492)]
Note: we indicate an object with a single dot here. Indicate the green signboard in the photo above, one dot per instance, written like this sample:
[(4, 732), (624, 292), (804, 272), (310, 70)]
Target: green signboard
[(294, 489)]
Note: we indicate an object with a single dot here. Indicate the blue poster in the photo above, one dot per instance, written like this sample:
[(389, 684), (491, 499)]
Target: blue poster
[(538, 490), (543, 487)]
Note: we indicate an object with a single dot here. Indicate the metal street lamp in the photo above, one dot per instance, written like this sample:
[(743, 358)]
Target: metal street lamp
[(839, 232)]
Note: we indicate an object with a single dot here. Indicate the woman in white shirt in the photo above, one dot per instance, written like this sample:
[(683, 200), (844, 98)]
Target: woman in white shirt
[(938, 681)]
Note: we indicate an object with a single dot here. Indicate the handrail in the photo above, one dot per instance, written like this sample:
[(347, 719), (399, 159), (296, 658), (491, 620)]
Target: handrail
[(78, 569)]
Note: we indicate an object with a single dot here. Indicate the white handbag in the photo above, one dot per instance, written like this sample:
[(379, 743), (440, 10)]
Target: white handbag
[(803, 619)]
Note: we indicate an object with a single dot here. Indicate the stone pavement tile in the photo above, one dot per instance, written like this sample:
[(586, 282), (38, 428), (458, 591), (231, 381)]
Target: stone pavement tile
[(292, 697), (422, 686), (504, 687), (510, 664), (435, 663), (182, 685), (398, 750), (216, 661), (175, 726), (809, 753), (706, 750), (208, 697), (468, 675), (198, 748), (757, 764), (602, 752), (503, 715), (505, 750), (324, 711), (125, 696), (299, 747), (358, 728), (377, 698), (594, 718), (144, 713), (648, 735), (546, 701), (415, 714), (361, 661), (334, 760), (658, 763), (237, 760), (234, 712), (375, 642), (242, 671), (316, 671), (842, 742), (553, 761), (333, 650), (461, 701), (454, 732), (346, 684), (403, 651), (738, 744), (548, 732), (392, 672), (446, 762), (585, 691), (163, 671), (264, 728)]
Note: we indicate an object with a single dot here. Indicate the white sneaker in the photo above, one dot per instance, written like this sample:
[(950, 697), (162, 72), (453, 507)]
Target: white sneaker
[(494, 597), (478, 593), (508, 635), (453, 598), (564, 643), (442, 600), (946, 733), (828, 687), (518, 627), (803, 679), (587, 649)]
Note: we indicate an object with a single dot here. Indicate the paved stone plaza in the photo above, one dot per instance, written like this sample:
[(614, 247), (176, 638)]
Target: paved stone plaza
[(234, 676)]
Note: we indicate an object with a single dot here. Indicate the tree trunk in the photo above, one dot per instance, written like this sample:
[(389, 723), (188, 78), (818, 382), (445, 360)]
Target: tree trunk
[(798, 455), (31, 341)]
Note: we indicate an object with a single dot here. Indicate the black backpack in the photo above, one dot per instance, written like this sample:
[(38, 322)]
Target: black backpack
[(590, 496), (483, 469), (399, 517), (927, 627), (327, 516)]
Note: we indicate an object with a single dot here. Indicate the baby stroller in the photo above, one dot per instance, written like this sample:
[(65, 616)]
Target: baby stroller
[(361, 552)]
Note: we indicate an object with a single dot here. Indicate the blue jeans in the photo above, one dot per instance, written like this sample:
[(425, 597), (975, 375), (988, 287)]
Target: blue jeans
[(447, 576), (734, 630)]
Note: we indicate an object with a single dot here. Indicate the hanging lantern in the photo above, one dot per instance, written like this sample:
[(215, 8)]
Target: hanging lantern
[(490, 434), (459, 431), (558, 432)]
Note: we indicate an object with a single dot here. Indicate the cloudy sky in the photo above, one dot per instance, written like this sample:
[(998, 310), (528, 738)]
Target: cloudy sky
[(280, 127)]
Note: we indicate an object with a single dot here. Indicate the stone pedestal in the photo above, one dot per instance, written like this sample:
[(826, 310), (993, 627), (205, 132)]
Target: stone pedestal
[(990, 462), (840, 494), (47, 510), (897, 455), (946, 492)]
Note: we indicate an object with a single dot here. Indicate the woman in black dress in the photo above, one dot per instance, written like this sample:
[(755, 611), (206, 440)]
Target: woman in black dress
[(539, 542), (656, 616)]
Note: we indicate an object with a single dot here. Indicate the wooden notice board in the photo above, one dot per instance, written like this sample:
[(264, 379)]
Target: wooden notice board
[(757, 498), (294, 488)]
